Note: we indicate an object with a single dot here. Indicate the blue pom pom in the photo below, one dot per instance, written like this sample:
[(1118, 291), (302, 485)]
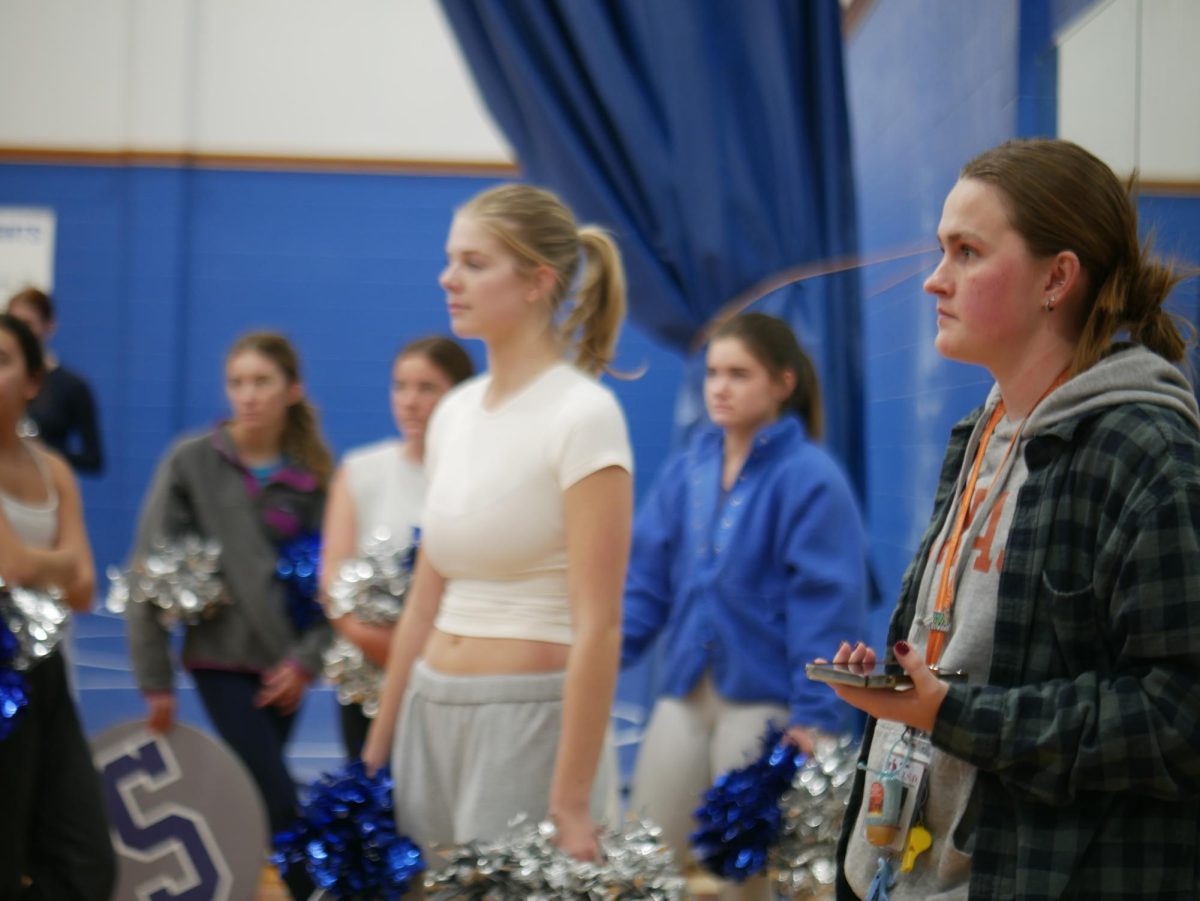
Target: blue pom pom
[(346, 838), (298, 567), (14, 689), (740, 819)]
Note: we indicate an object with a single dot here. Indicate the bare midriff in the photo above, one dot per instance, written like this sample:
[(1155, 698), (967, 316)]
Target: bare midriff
[(465, 655)]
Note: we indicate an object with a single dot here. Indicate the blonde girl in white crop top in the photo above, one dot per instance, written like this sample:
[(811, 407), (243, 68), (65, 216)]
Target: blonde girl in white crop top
[(525, 537), (54, 829), (382, 486)]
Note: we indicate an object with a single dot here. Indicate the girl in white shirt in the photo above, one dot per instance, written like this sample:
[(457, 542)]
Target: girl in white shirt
[(513, 618), (54, 840), (382, 487)]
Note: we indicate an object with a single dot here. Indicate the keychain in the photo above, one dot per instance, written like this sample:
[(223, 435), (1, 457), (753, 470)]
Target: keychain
[(885, 801), (919, 838), (883, 882)]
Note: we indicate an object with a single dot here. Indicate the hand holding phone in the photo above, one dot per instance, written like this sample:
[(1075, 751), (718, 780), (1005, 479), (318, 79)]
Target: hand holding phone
[(872, 675)]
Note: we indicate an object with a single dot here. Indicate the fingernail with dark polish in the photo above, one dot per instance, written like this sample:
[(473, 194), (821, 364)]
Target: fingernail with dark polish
[(902, 648)]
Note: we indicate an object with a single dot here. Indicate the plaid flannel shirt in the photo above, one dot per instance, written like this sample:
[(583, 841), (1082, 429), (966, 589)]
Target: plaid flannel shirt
[(1087, 734)]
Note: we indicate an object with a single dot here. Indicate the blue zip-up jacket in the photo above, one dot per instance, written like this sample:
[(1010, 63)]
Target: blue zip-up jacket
[(754, 584)]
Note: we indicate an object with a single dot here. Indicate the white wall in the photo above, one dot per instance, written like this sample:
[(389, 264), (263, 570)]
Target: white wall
[(1129, 86), (385, 79), (353, 78)]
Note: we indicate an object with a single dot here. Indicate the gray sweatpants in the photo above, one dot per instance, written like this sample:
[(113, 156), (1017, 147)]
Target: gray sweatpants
[(688, 743), (472, 752)]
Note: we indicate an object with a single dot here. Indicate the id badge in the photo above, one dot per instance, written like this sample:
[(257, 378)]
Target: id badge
[(894, 791)]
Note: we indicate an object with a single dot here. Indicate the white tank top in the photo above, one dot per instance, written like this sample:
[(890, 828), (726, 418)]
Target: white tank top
[(36, 524), (388, 490)]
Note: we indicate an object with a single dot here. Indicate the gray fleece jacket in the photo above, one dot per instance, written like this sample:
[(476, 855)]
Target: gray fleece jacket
[(202, 488)]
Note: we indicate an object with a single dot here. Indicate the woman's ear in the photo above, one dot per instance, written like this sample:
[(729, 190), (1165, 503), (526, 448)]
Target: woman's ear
[(542, 279), (1062, 278), (295, 393), (785, 385)]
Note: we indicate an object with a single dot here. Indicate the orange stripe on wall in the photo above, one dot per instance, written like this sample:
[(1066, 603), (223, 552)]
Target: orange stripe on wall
[(57, 156)]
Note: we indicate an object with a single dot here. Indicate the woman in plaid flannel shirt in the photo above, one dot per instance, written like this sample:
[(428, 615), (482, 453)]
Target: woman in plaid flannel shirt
[(1068, 765)]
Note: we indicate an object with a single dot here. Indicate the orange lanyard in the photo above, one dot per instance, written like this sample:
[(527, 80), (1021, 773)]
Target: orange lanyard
[(939, 625)]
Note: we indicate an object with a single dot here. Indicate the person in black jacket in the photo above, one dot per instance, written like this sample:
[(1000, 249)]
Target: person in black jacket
[(64, 410)]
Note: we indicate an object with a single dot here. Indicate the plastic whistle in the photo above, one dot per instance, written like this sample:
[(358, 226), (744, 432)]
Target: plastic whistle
[(919, 841)]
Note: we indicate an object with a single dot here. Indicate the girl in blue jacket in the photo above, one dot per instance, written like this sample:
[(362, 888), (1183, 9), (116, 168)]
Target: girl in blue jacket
[(749, 557)]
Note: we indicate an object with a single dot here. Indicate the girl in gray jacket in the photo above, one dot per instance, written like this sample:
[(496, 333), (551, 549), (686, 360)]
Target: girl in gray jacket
[(253, 483)]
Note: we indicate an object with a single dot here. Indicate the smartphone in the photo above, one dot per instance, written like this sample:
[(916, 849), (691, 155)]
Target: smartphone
[(875, 675)]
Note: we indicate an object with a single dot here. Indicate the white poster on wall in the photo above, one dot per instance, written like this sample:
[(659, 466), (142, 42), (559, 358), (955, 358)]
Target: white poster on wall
[(26, 249)]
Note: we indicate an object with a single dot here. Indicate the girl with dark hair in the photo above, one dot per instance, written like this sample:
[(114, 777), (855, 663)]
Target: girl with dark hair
[(749, 556), (1060, 569), (501, 672), (381, 488), (254, 483), (54, 832)]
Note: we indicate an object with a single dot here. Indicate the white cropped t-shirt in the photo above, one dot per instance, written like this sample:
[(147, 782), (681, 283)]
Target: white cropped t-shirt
[(388, 491), (493, 524)]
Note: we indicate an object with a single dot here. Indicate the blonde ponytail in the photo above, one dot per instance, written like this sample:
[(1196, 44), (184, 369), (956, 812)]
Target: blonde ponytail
[(594, 323)]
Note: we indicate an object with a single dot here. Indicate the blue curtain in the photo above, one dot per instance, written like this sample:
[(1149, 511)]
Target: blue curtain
[(711, 136)]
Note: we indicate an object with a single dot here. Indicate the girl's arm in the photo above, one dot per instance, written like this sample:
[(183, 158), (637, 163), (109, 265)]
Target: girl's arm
[(339, 542), (339, 531), (823, 546), (408, 639), (166, 513), (68, 565), (656, 544), (599, 510)]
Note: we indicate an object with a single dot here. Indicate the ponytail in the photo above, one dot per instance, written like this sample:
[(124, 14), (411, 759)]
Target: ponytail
[(805, 400), (303, 443), (594, 322), (1131, 297)]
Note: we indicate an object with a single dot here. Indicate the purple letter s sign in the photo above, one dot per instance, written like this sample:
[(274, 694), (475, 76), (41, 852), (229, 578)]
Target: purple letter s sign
[(186, 819)]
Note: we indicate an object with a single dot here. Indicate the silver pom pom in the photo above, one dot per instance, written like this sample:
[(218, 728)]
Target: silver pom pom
[(355, 677), (526, 864), (371, 588), (181, 579), (804, 862), (37, 619)]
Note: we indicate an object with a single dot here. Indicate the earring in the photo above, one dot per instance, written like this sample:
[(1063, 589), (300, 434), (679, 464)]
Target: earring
[(1050, 303)]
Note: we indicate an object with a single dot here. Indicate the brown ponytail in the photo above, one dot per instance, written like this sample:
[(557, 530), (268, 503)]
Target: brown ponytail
[(302, 441), (539, 230), (1061, 197)]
